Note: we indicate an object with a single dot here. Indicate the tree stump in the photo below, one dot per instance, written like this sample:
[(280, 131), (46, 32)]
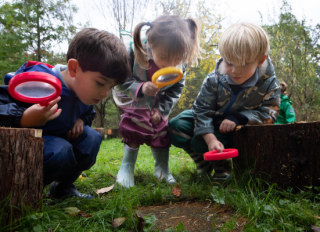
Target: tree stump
[(21, 170), (284, 154)]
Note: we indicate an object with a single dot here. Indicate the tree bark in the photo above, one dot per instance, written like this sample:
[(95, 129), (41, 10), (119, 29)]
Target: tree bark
[(284, 154), (21, 170)]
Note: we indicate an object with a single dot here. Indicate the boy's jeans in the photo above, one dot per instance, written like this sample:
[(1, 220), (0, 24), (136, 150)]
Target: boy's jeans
[(64, 160)]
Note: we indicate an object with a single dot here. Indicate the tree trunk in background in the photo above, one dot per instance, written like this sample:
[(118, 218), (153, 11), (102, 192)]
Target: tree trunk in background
[(21, 170), (284, 154), (100, 109)]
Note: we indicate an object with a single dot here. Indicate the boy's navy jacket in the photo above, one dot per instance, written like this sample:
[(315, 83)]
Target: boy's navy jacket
[(11, 110)]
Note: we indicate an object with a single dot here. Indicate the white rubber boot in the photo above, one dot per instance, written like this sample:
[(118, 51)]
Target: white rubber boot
[(161, 165), (125, 176)]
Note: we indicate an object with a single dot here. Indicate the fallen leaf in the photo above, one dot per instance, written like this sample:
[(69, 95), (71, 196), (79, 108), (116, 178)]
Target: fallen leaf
[(83, 214), (72, 211), (176, 191), (105, 190), (118, 222)]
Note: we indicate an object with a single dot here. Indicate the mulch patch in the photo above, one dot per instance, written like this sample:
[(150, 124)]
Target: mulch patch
[(194, 216)]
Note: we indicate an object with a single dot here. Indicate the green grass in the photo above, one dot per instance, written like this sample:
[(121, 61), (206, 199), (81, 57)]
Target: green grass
[(266, 207)]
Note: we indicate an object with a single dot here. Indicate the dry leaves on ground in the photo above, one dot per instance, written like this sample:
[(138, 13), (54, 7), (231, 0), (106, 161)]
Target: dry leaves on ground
[(105, 190)]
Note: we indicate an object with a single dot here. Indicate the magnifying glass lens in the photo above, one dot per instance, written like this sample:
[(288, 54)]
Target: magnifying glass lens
[(167, 77), (35, 89)]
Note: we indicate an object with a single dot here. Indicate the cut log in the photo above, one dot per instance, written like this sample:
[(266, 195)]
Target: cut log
[(21, 170), (284, 154)]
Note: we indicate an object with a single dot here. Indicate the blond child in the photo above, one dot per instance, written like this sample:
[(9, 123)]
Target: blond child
[(243, 89)]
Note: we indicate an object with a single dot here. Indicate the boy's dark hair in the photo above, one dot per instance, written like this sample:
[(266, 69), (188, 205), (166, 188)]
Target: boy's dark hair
[(100, 51)]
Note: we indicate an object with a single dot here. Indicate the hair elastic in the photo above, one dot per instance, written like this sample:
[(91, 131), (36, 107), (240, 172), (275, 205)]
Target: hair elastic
[(148, 24)]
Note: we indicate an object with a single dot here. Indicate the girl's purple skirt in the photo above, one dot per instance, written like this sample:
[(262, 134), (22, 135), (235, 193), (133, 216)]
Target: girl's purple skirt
[(136, 128)]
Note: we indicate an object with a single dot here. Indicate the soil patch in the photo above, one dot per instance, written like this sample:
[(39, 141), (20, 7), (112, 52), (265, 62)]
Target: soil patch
[(194, 216)]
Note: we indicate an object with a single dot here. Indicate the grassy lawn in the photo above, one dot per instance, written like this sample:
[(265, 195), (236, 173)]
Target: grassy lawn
[(265, 206)]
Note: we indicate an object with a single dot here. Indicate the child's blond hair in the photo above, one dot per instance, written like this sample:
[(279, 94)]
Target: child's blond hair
[(243, 43)]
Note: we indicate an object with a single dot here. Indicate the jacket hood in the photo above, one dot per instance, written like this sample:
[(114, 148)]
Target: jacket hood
[(285, 98)]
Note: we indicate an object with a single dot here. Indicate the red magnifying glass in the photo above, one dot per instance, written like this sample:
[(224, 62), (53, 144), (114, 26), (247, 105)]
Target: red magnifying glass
[(225, 154), (35, 87)]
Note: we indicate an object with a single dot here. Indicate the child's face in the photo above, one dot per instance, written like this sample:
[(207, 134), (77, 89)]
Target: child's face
[(240, 74), (92, 87), (161, 60)]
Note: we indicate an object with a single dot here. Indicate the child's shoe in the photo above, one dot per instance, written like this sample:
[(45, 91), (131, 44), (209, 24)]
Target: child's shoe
[(220, 175), (203, 166), (221, 169), (58, 190)]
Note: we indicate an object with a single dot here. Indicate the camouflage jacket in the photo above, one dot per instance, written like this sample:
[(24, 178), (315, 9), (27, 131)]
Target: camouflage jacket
[(257, 104)]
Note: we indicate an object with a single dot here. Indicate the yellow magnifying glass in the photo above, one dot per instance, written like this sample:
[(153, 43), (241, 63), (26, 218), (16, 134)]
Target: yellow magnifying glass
[(167, 76)]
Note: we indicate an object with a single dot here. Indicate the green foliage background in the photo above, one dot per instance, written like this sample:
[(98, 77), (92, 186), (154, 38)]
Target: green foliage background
[(31, 30), (295, 52)]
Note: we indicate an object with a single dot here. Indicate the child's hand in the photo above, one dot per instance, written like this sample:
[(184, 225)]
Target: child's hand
[(76, 130), (37, 115), (155, 116), (227, 126), (149, 89), (213, 143)]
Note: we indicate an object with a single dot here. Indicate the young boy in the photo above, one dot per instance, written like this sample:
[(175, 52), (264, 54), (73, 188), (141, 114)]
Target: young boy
[(97, 61), (243, 89)]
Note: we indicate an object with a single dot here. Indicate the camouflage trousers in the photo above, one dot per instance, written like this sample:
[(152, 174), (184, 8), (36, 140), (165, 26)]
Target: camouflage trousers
[(181, 134)]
